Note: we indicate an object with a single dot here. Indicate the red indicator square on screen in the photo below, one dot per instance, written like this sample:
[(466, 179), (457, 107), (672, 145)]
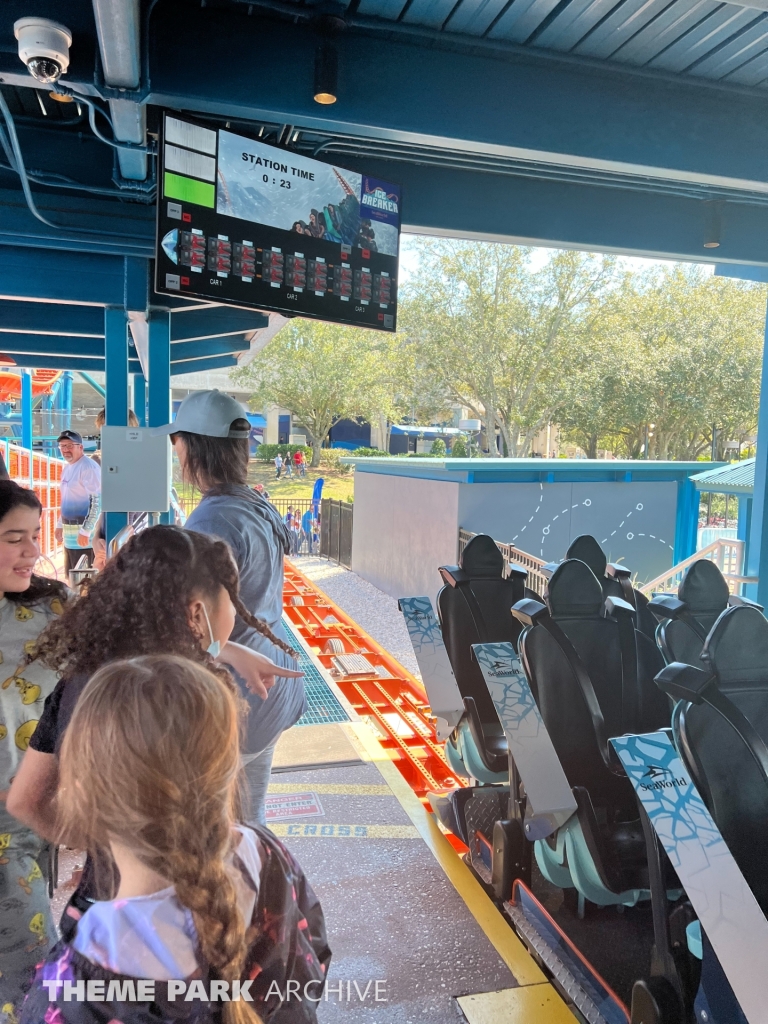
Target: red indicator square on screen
[(366, 254), (184, 281), (187, 217), (381, 315)]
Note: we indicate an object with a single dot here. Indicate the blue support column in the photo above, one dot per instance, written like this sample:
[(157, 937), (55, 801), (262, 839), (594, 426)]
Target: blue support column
[(687, 521), (26, 416), (65, 396), (140, 398), (159, 397), (116, 402), (757, 562)]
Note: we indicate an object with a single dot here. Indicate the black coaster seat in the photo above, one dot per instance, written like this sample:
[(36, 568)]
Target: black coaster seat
[(615, 579), (474, 608), (592, 676)]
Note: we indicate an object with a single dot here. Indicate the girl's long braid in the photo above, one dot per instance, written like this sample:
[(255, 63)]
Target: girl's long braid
[(227, 573)]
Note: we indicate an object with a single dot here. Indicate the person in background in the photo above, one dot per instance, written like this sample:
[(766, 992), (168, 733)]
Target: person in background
[(27, 604), (299, 462), (80, 500), (278, 465), (287, 465), (210, 437), (307, 530), (288, 520), (261, 490), (149, 775)]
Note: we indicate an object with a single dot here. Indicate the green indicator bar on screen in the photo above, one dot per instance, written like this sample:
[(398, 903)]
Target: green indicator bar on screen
[(188, 190)]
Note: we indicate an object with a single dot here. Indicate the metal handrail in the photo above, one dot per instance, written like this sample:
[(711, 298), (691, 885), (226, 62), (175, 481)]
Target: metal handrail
[(728, 556), (537, 580)]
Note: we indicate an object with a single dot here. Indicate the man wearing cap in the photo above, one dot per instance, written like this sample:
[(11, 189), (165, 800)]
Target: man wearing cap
[(80, 499), (210, 436)]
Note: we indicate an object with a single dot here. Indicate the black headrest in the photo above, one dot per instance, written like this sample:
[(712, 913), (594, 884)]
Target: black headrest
[(703, 588), (586, 549), (737, 647), (574, 591), (481, 558)]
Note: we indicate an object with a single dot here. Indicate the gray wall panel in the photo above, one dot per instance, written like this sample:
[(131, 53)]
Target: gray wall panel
[(403, 530), (543, 519)]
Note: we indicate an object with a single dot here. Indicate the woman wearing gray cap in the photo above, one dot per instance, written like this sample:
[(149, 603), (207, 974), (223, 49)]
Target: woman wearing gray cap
[(210, 436)]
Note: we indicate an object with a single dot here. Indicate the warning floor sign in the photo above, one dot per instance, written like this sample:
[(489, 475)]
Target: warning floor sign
[(280, 806)]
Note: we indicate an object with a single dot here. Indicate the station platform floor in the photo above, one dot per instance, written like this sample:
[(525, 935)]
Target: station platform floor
[(401, 907)]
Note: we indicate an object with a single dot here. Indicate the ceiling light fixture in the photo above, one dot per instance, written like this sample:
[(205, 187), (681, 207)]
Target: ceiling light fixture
[(712, 224), (326, 74), (327, 25)]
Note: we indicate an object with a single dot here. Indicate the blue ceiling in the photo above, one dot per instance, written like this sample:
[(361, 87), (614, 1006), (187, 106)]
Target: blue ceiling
[(635, 126)]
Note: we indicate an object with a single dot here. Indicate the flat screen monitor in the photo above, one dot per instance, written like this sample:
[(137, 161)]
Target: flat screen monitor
[(242, 222)]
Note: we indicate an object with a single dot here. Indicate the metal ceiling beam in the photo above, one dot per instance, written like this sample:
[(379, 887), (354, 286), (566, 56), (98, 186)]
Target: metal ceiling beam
[(194, 325), (566, 112), (51, 318), (201, 365), (120, 229), (119, 32), (51, 345), (61, 320), (184, 350)]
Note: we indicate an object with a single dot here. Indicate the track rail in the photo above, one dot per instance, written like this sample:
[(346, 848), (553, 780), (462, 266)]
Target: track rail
[(389, 696)]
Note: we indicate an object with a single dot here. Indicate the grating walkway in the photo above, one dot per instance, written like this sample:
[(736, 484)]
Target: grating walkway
[(322, 706)]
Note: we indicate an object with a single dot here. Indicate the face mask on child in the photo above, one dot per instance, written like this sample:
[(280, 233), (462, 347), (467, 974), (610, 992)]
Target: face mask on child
[(214, 647)]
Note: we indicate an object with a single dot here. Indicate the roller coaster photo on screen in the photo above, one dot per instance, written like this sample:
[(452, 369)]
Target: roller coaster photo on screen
[(295, 193), (258, 225)]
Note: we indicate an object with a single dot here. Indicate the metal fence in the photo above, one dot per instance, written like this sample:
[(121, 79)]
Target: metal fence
[(43, 475), (336, 531), (536, 581)]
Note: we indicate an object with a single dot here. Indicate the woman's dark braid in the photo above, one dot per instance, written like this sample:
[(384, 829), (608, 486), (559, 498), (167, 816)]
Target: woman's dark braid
[(227, 574)]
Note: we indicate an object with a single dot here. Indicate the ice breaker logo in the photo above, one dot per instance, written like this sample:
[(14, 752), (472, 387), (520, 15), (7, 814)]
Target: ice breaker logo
[(377, 199), (656, 774)]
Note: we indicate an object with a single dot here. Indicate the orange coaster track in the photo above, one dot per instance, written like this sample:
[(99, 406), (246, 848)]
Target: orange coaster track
[(393, 698)]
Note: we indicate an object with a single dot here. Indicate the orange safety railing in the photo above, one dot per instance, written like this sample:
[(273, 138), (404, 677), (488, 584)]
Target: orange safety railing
[(45, 480), (389, 696)]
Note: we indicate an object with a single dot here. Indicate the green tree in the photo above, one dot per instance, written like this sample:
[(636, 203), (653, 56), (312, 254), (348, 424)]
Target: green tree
[(497, 336), (319, 372), (675, 352)]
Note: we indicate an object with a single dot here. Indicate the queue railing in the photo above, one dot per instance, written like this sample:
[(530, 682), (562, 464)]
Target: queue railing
[(728, 556)]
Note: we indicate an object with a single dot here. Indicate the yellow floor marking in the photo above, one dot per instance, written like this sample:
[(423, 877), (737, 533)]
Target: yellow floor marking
[(329, 788), (533, 1004), (322, 831), (499, 933)]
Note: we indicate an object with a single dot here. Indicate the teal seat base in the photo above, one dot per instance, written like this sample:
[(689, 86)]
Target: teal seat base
[(569, 865), (463, 757)]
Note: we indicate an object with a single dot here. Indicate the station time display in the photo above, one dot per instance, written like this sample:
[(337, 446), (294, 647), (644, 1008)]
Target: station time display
[(242, 222)]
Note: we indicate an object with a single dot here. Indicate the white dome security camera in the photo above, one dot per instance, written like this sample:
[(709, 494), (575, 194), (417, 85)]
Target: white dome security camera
[(44, 47)]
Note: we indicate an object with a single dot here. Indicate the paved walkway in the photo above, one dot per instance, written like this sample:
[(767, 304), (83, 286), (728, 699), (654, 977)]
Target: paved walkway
[(370, 607)]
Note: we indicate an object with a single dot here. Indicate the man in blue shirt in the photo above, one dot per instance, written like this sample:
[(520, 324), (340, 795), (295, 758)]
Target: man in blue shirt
[(80, 499)]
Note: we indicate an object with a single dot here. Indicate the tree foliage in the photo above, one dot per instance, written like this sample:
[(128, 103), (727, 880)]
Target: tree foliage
[(497, 336), (321, 372), (618, 358)]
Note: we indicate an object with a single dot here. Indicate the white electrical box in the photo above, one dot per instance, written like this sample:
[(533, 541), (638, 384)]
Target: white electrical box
[(135, 470)]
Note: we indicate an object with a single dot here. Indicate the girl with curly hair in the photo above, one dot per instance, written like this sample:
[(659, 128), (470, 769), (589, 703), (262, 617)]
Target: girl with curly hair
[(149, 771), (167, 591)]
